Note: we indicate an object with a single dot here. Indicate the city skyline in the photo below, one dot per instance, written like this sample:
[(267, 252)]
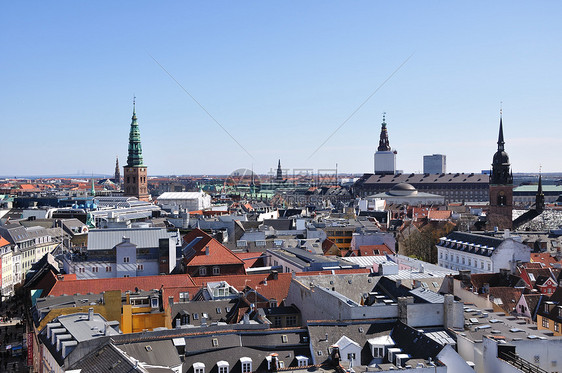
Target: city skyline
[(278, 81)]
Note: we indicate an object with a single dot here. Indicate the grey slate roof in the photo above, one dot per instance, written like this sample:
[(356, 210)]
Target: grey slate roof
[(106, 358), (160, 353), (106, 239)]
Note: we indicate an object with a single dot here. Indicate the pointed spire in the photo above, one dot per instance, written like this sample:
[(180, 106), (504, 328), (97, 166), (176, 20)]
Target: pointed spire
[(134, 158), (92, 189), (384, 144), (279, 175), (539, 198), (500, 136)]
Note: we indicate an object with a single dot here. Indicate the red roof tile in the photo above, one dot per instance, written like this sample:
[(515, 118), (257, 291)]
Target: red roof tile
[(264, 284), (209, 251), (97, 286), (3, 242), (374, 250), (251, 259)]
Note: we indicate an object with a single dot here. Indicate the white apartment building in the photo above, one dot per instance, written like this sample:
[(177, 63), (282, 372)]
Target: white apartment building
[(481, 254)]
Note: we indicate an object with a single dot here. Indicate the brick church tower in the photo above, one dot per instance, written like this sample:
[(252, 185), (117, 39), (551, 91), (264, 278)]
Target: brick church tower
[(135, 172), (501, 188)]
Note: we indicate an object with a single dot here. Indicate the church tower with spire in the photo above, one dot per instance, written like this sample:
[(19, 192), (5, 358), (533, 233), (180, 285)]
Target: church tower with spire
[(135, 172), (117, 176), (279, 176), (501, 188), (385, 158)]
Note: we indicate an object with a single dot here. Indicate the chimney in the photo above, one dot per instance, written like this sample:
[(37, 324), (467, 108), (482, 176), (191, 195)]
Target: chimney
[(273, 364), (90, 314), (274, 275), (335, 355)]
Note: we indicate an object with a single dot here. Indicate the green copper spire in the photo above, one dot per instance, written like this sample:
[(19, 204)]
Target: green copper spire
[(135, 149), (92, 189)]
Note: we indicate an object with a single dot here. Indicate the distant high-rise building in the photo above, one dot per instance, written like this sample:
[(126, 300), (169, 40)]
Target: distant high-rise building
[(435, 164), (385, 158), (501, 188), (135, 172)]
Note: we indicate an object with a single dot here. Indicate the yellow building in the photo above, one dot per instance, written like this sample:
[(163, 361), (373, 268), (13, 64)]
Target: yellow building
[(341, 236), (549, 317)]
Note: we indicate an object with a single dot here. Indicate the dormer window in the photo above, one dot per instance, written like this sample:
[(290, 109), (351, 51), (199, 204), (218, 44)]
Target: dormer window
[(223, 366), (199, 368), (202, 271), (246, 364), (302, 361)]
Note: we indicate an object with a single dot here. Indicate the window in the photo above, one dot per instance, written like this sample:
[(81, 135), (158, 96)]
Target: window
[(276, 321), (351, 356), (284, 338), (125, 259), (199, 368), (291, 321), (108, 269), (544, 322), (219, 311), (154, 302), (469, 261), (202, 271), (463, 260), (302, 361), (246, 363), (216, 271), (215, 342), (457, 258), (378, 352), (184, 296), (125, 275), (481, 265), (95, 269), (489, 267), (195, 316), (223, 366), (556, 327)]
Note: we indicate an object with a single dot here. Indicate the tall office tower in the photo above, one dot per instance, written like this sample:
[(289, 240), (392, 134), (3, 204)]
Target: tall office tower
[(435, 164)]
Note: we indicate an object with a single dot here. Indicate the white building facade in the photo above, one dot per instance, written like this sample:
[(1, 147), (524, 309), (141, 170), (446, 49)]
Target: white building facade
[(479, 253)]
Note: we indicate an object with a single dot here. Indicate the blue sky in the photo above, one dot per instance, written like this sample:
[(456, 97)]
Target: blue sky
[(280, 76)]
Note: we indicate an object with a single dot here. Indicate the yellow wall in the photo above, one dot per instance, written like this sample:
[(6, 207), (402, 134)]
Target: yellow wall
[(137, 319), (550, 325)]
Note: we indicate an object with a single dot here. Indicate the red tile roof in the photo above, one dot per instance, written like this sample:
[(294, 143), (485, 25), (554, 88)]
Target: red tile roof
[(337, 271), (374, 250), (251, 259), (545, 258), (3, 242), (209, 251), (96, 286), (439, 215), (264, 284), (509, 297)]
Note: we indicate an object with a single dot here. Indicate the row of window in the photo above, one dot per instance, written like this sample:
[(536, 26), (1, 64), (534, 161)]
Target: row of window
[(246, 365), (203, 271), (140, 267), (464, 261), (546, 324)]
